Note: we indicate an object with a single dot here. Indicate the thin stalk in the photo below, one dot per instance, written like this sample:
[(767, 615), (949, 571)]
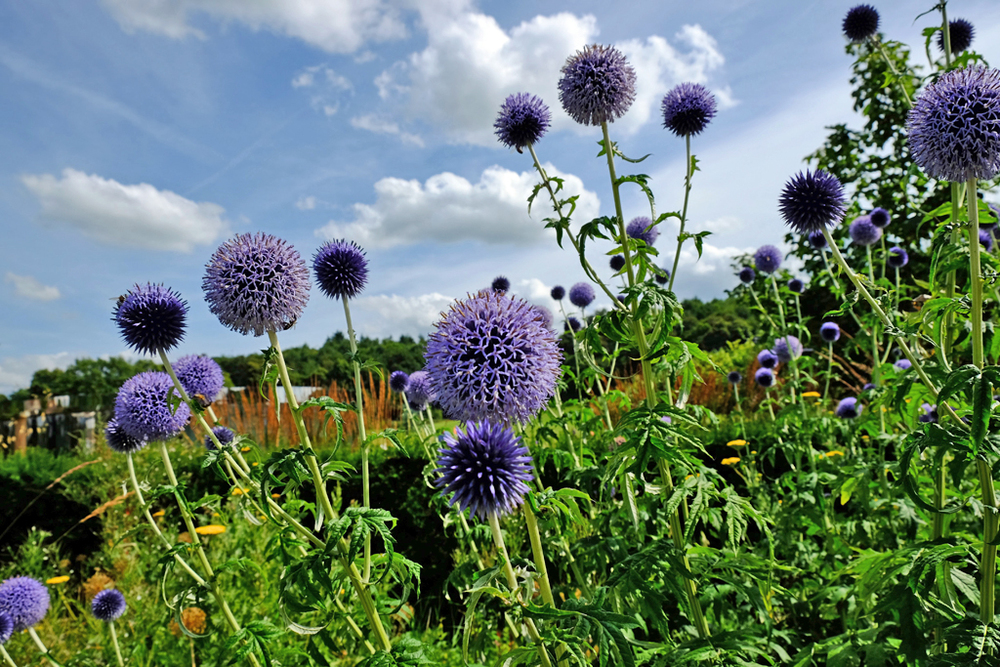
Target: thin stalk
[(895, 72), (829, 372), (884, 254), (949, 318), (362, 435), (975, 275), (6, 657), (687, 192), (753, 293), (784, 332), (114, 641), (536, 551), (41, 646)]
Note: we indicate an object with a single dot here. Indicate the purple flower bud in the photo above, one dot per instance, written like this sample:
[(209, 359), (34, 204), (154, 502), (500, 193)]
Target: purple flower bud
[(897, 257), (581, 295), (108, 605), (767, 359), (767, 259), (764, 377), (817, 240), (523, 120), (642, 228), (829, 332), (687, 109), (617, 263), (341, 269), (861, 23), (849, 408), (960, 34), (120, 441), (224, 435), (397, 381), (25, 600), (903, 364), (863, 232), (812, 201), (200, 375), (747, 275), (796, 286), (419, 391), (558, 292), (500, 284), (880, 218), (734, 377)]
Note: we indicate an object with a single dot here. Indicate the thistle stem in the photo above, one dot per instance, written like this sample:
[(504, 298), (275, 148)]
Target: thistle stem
[(753, 293), (687, 192), (6, 657), (788, 343), (114, 641), (975, 275), (949, 318), (362, 435), (536, 551), (829, 372), (41, 646)]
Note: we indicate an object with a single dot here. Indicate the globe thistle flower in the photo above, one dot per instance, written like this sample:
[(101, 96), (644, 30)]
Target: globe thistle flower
[(558, 292), (642, 228), (523, 120), (764, 377), (863, 232), (341, 269), (255, 283), (787, 348), (986, 239), (767, 259), (930, 415), (849, 408), (151, 318), (861, 23), (6, 627), (581, 295), (868, 387), (617, 263), (954, 126), (687, 109), (829, 332), (200, 375), (224, 435), (960, 33), (398, 381), (142, 407), (734, 377), (747, 275), (108, 605), (500, 284), (897, 258), (544, 316), (880, 217), (903, 364), (817, 240), (767, 359), (25, 600), (597, 85), (485, 468), (662, 277), (491, 357), (572, 324), (120, 441), (796, 286), (419, 391), (812, 201)]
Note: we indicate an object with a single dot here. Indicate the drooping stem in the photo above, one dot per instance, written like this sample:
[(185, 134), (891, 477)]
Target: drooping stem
[(359, 404), (114, 641), (687, 193)]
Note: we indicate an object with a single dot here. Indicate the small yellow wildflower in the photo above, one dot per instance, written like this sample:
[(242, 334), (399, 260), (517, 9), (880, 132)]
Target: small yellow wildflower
[(159, 513), (244, 449), (57, 580), (835, 452), (213, 529), (811, 394), (275, 495), (736, 443), (732, 460), (239, 492)]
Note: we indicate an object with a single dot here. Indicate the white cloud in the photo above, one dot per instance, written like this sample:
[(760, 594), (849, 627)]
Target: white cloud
[(337, 26), (304, 80), (31, 288), (326, 90), (137, 216), (306, 203), (534, 289), (391, 315), (448, 209), (16, 372), (377, 125)]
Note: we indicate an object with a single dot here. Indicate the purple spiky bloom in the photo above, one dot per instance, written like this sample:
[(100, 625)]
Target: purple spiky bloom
[(812, 201), (108, 605), (25, 600), (485, 468), (151, 318), (903, 364), (796, 286), (868, 387), (960, 32), (491, 357), (747, 275), (897, 258), (954, 126), (880, 217), (142, 407), (734, 377), (544, 316), (849, 408), (767, 259), (829, 332), (558, 292), (764, 377), (255, 283), (687, 109), (817, 240), (500, 284), (640, 228), (662, 276), (787, 348), (200, 375), (597, 85), (341, 269), (523, 120), (572, 324), (986, 239), (617, 263), (6, 627), (767, 359), (581, 295), (224, 435), (930, 415), (398, 381), (120, 441), (419, 390), (863, 232), (861, 23)]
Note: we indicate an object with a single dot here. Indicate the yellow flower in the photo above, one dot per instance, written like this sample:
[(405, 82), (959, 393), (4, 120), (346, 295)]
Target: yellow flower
[(244, 449), (57, 580), (736, 443), (213, 529), (159, 513), (811, 394), (835, 452), (732, 460), (239, 492), (275, 495)]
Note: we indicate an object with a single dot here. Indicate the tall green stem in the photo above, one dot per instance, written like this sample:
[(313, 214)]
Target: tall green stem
[(753, 293), (829, 371), (114, 641), (784, 332), (684, 210), (362, 435), (536, 551), (975, 275), (949, 318), (6, 657), (41, 646)]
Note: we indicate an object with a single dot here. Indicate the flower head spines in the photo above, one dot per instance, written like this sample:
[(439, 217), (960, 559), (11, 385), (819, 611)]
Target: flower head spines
[(6, 627), (767, 259), (829, 332), (617, 263), (523, 120), (897, 258), (863, 232), (120, 441), (341, 269), (880, 217), (398, 381), (747, 275), (544, 316), (25, 600), (200, 375), (764, 377), (581, 295), (960, 34), (662, 277), (500, 284), (151, 318), (860, 23), (767, 359), (787, 348), (224, 435), (849, 408), (108, 605), (687, 109), (812, 201), (142, 407), (419, 390), (597, 85), (642, 228), (572, 324)]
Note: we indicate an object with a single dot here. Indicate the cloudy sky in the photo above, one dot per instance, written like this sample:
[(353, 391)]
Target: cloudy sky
[(137, 135)]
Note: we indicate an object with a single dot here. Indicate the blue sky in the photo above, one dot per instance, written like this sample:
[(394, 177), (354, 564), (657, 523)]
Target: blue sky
[(137, 135)]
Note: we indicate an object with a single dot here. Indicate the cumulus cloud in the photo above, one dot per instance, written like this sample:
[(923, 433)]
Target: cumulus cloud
[(138, 216), (391, 315), (16, 372), (337, 26), (306, 203), (448, 209), (377, 125), (31, 288)]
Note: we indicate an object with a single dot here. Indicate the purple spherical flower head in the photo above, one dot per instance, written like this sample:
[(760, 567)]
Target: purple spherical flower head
[(200, 375), (796, 286), (747, 275), (398, 381), (419, 391), (255, 283), (986, 239), (849, 408), (581, 295), (863, 232), (544, 316), (817, 240), (486, 468), (151, 318), (500, 284), (523, 120), (829, 332), (767, 359), (764, 377), (341, 269), (787, 348), (930, 415), (492, 358), (558, 292), (572, 324), (954, 126), (597, 85), (861, 23), (868, 387), (224, 435), (734, 377), (812, 201), (687, 109), (617, 263), (880, 217), (662, 276), (960, 34), (642, 228), (25, 600), (6, 627), (108, 605), (897, 257), (120, 441), (767, 259), (142, 407), (903, 364)]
